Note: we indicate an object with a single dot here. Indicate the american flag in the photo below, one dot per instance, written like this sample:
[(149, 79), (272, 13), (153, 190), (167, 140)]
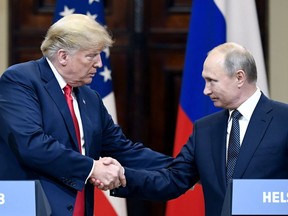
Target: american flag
[(102, 83)]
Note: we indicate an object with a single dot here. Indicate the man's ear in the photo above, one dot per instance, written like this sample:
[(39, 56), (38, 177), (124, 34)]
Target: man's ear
[(62, 57), (241, 77)]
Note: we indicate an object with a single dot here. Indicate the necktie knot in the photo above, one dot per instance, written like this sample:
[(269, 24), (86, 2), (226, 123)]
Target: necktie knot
[(236, 114), (67, 89)]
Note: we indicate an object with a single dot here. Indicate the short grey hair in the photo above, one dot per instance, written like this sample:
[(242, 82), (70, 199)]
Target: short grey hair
[(237, 57)]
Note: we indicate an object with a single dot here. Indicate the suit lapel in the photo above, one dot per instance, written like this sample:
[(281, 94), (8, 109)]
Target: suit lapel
[(218, 142), (53, 89), (258, 124), (86, 123)]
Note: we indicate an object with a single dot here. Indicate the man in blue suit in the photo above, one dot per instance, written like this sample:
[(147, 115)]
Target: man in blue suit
[(38, 139), (230, 78)]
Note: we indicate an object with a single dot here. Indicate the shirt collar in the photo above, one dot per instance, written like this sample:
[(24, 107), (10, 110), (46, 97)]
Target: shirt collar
[(59, 78), (247, 108)]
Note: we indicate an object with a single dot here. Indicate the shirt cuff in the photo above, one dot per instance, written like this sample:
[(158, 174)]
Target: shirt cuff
[(90, 172)]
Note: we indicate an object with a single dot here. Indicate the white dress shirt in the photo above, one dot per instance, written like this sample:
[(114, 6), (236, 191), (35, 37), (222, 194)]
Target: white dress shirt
[(246, 109)]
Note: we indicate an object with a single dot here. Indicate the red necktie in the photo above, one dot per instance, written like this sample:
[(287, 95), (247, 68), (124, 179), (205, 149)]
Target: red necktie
[(79, 208)]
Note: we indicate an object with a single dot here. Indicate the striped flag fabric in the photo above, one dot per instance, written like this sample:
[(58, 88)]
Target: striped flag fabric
[(212, 22), (104, 204)]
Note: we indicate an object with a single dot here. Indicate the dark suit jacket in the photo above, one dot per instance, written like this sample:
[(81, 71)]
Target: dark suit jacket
[(38, 141), (263, 155)]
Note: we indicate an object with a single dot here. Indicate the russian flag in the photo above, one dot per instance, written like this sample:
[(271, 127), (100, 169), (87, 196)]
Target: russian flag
[(212, 22), (104, 204)]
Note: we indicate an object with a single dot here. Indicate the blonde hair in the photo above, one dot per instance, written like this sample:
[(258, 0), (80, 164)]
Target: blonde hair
[(75, 32)]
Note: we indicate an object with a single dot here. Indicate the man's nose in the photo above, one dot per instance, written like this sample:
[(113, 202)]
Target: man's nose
[(98, 62), (206, 90)]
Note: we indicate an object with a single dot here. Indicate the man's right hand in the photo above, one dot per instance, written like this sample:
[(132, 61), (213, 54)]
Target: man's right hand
[(107, 174)]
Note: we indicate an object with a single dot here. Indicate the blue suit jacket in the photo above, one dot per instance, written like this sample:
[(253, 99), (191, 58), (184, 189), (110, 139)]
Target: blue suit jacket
[(263, 155), (38, 141)]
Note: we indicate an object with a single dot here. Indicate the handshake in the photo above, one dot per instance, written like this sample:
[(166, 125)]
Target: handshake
[(107, 174)]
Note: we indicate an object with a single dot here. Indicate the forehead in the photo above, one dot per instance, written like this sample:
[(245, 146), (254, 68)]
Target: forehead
[(87, 51), (213, 64)]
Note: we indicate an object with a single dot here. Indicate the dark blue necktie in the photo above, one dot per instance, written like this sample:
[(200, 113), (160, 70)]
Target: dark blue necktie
[(233, 145)]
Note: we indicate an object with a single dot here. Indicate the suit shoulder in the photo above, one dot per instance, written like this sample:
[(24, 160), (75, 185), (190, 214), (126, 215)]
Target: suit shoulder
[(20, 69), (279, 104), (279, 108), (20, 66), (214, 117)]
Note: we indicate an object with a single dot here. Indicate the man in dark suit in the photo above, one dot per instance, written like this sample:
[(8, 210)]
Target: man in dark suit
[(230, 81), (38, 137)]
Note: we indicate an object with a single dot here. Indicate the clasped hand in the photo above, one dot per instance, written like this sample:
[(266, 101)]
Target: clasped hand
[(107, 174)]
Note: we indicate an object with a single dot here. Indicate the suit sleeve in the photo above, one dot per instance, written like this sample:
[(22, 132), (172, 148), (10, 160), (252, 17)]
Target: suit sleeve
[(130, 154), (164, 183)]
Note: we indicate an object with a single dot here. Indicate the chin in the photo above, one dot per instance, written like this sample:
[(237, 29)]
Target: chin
[(216, 104), (88, 81)]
